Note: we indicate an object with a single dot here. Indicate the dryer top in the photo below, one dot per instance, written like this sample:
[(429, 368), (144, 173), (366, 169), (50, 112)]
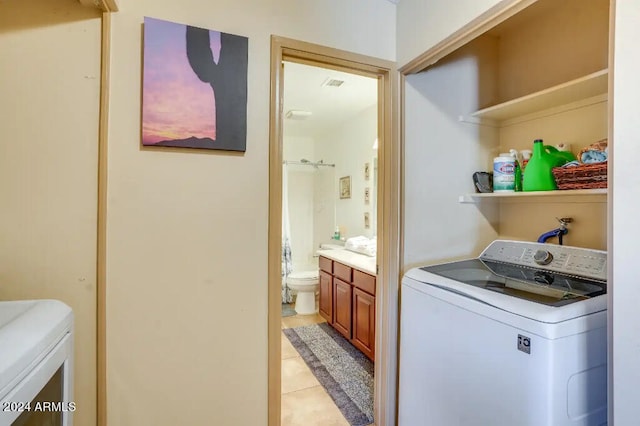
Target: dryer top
[(29, 329)]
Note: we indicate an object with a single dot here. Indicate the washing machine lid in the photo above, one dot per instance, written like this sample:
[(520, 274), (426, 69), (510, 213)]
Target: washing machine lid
[(535, 285), (304, 275), (507, 276), (29, 329)]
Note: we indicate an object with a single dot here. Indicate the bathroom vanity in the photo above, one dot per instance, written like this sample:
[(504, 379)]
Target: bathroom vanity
[(348, 296)]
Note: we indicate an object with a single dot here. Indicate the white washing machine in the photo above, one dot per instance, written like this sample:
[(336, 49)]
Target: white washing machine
[(516, 337), (36, 363)]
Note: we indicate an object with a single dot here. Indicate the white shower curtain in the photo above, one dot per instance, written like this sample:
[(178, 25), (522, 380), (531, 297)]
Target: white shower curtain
[(286, 237)]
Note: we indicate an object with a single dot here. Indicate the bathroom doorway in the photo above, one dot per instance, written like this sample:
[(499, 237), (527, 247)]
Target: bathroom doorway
[(329, 176), (355, 190)]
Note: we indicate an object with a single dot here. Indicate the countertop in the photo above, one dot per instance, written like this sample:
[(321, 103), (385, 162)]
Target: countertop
[(355, 260)]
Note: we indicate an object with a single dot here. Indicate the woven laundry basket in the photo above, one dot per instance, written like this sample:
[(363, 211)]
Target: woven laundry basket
[(585, 176)]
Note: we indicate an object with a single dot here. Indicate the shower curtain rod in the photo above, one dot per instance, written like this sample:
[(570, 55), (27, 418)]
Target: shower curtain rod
[(309, 163)]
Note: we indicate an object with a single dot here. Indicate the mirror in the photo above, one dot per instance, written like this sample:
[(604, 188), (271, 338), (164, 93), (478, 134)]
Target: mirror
[(330, 158)]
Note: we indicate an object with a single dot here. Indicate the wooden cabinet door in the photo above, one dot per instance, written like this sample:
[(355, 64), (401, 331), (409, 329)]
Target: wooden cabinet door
[(325, 308), (342, 307), (364, 322)]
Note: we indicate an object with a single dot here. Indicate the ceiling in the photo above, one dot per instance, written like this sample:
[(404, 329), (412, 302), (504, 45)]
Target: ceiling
[(329, 106)]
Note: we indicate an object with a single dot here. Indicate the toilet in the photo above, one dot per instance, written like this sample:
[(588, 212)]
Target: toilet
[(306, 284)]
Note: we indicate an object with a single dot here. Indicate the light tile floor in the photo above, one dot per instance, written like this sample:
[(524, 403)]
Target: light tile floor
[(304, 400)]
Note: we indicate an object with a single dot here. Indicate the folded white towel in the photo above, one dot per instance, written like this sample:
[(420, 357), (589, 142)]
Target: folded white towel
[(357, 241), (362, 245)]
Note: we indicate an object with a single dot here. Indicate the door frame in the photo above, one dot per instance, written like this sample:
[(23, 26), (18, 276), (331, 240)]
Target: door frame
[(388, 214)]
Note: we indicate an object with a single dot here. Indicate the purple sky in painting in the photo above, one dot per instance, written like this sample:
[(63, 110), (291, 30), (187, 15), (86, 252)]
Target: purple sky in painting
[(175, 103)]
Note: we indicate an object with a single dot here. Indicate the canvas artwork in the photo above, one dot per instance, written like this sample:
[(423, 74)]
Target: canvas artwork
[(345, 187), (194, 90)]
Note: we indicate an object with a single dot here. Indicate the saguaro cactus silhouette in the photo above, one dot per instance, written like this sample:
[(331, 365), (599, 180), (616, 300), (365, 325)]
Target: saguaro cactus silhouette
[(228, 79)]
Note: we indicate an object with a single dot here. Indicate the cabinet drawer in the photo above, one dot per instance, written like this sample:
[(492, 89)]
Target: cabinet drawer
[(326, 264), (364, 282), (342, 271)]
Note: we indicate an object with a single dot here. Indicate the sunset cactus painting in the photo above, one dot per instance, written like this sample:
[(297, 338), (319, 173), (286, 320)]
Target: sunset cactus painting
[(194, 90)]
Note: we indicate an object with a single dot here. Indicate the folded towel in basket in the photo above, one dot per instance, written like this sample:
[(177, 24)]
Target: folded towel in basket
[(595, 153)]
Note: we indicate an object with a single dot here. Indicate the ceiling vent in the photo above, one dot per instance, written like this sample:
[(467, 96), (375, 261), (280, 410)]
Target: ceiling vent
[(332, 82), (296, 114)]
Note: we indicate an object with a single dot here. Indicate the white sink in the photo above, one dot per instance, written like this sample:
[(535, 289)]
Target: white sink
[(332, 246)]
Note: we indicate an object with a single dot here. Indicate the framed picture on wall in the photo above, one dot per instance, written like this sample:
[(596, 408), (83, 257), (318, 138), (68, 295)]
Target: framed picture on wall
[(366, 220), (345, 187), (194, 90), (367, 193), (366, 171)]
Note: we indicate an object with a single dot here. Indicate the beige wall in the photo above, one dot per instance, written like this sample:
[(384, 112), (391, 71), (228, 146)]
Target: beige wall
[(440, 156), (49, 98), (421, 24), (187, 230), (571, 43)]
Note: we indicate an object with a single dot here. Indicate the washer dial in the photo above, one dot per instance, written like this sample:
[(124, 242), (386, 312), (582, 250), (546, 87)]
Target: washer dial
[(542, 257)]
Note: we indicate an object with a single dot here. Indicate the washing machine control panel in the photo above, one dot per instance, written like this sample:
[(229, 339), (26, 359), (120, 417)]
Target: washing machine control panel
[(565, 259)]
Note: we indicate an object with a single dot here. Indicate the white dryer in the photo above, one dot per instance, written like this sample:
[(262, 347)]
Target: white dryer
[(517, 336), (36, 363)]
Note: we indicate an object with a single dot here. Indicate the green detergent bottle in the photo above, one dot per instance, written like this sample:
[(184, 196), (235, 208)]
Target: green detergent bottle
[(517, 173), (538, 175), (565, 155)]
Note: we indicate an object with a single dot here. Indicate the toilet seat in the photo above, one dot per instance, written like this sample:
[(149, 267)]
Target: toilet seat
[(303, 277)]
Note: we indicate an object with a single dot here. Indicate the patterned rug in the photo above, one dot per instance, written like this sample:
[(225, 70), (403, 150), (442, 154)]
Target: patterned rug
[(343, 370), (287, 310)]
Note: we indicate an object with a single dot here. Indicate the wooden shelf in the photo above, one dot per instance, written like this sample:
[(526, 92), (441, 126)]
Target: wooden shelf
[(578, 90), (104, 5), (549, 195)]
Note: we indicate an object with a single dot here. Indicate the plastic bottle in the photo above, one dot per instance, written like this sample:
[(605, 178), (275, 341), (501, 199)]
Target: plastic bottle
[(538, 176), (525, 154), (336, 234), (564, 155), (517, 186), (504, 168)]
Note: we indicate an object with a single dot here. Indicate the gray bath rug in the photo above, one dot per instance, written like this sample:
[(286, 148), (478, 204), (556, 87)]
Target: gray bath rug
[(344, 371)]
